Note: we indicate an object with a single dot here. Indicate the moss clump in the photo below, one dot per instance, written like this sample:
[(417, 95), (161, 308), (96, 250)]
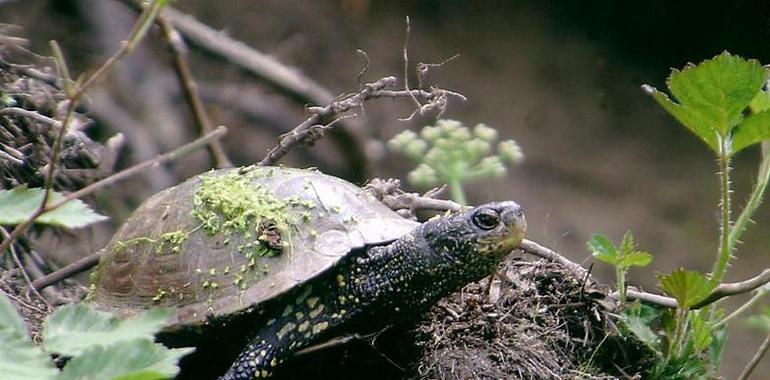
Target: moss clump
[(232, 203), (174, 240)]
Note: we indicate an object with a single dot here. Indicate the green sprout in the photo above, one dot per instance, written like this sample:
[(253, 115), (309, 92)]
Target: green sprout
[(622, 258), (450, 153)]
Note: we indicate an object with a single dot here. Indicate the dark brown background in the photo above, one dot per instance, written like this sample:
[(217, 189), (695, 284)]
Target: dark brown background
[(562, 78)]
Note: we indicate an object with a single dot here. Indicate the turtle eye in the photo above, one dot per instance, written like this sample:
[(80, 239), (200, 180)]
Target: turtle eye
[(486, 218)]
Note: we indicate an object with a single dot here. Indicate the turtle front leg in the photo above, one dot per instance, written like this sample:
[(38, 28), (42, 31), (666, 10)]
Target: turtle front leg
[(306, 316)]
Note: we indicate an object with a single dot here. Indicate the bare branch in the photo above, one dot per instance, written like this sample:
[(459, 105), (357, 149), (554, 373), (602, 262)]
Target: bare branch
[(755, 359), (190, 89), (406, 64), (721, 291), (32, 115), (373, 90), (538, 250), (79, 266)]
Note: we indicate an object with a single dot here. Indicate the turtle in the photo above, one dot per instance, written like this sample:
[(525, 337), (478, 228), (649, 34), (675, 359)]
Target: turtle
[(321, 251)]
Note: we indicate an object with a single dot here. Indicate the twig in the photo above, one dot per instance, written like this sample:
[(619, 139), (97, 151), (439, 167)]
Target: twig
[(373, 90), (721, 291), (422, 68), (32, 115), (69, 270), (176, 153), (190, 90), (365, 68), (22, 270), (236, 52), (536, 249), (286, 79), (755, 360), (334, 342), (406, 63)]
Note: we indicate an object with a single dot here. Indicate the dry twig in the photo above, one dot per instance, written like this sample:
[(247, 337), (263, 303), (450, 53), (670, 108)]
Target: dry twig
[(190, 89), (373, 90)]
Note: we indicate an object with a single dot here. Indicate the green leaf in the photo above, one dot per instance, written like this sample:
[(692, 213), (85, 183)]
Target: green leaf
[(712, 95), (687, 286), (20, 358), (75, 328), (131, 359), (635, 258), (17, 205), (760, 102), (690, 119), (701, 329), (762, 320), (717, 347), (10, 318), (753, 130), (718, 89), (603, 249), (639, 327)]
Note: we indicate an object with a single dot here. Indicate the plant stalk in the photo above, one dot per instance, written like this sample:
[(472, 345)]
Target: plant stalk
[(456, 192), (725, 229), (620, 274), (763, 177)]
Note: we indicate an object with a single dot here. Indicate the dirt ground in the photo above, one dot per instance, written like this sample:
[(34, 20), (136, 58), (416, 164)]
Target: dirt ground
[(562, 80)]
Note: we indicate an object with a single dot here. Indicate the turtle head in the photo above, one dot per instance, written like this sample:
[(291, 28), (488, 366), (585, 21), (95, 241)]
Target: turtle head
[(477, 237)]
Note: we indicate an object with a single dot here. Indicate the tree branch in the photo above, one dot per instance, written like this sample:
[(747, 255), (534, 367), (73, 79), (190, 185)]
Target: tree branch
[(190, 89)]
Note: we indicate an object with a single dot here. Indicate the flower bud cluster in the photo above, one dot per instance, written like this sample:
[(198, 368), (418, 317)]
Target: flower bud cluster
[(449, 152)]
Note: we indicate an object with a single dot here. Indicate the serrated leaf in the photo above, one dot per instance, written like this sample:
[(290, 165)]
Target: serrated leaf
[(753, 130), (603, 249), (74, 328), (635, 258), (130, 359), (691, 120), (711, 97), (718, 89), (687, 286), (20, 359), (17, 205)]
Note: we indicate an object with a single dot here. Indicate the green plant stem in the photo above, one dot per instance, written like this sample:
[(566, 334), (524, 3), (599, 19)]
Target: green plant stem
[(725, 249), (756, 297), (456, 192), (676, 343), (763, 177), (620, 275)]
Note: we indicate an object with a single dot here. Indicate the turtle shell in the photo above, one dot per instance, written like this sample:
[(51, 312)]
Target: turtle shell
[(202, 248)]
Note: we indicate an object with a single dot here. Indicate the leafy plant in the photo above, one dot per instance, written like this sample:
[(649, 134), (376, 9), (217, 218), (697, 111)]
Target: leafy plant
[(449, 153), (723, 102), (622, 258), (99, 346)]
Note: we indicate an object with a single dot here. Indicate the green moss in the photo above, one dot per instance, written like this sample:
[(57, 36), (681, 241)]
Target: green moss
[(232, 203), (173, 240)]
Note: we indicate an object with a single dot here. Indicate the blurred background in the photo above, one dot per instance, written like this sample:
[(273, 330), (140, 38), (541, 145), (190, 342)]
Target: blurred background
[(561, 78)]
